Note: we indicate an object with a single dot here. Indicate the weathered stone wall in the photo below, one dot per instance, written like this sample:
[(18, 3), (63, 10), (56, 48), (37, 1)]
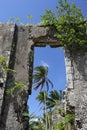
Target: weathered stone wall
[(56, 116), (6, 38), (76, 93), (17, 46)]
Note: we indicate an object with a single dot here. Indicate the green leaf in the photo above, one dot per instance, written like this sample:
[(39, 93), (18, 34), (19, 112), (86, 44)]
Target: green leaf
[(16, 85), (69, 23), (29, 16), (17, 19), (69, 118)]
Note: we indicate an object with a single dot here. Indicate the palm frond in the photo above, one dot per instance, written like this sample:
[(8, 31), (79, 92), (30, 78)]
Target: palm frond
[(47, 85), (35, 80), (54, 94), (41, 69), (40, 78), (42, 86), (50, 82), (37, 85), (53, 99)]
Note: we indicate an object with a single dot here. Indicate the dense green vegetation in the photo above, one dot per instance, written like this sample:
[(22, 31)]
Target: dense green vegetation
[(68, 120), (69, 23)]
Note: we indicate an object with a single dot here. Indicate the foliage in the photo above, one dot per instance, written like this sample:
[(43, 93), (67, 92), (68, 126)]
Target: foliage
[(17, 19), (59, 126), (53, 99), (16, 85), (28, 25), (69, 23), (48, 18), (3, 62), (40, 78), (29, 16), (26, 114), (4, 65), (32, 124), (69, 118), (61, 112), (40, 97), (35, 123)]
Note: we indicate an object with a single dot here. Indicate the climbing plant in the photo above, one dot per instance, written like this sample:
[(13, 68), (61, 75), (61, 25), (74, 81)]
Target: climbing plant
[(69, 23), (4, 65), (3, 69), (16, 85), (67, 120), (59, 126)]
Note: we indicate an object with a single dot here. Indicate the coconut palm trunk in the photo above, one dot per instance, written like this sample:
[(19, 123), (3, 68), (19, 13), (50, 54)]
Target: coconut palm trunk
[(45, 107), (41, 80)]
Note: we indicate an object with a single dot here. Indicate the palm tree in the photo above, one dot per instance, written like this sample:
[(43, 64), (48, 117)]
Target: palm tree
[(53, 99), (40, 98), (35, 123), (50, 123), (31, 121), (40, 80)]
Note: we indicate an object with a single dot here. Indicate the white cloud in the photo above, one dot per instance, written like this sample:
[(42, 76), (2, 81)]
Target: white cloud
[(44, 63)]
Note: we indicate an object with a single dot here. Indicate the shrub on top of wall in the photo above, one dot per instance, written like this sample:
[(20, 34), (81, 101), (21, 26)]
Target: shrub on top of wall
[(69, 23)]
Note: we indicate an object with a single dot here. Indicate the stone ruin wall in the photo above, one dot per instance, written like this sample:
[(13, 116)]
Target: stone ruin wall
[(76, 92), (17, 46)]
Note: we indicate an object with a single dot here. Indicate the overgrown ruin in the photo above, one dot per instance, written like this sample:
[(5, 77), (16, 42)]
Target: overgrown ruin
[(17, 46)]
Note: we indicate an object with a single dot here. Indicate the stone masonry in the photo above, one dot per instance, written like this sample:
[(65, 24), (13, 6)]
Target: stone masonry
[(76, 91), (17, 46)]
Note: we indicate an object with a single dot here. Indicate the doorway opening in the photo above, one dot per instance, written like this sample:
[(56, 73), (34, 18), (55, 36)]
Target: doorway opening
[(53, 58)]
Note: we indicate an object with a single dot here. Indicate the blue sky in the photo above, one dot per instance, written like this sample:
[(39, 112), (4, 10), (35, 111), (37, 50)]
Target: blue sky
[(53, 57), (21, 8)]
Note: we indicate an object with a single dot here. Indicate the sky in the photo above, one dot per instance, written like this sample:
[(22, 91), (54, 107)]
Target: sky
[(52, 57)]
